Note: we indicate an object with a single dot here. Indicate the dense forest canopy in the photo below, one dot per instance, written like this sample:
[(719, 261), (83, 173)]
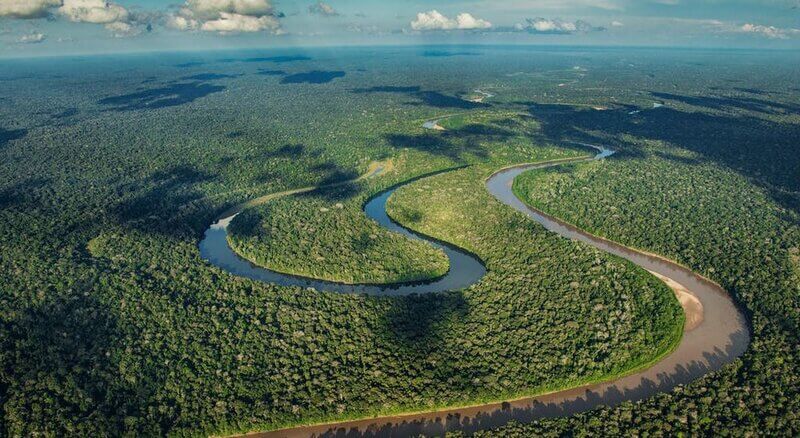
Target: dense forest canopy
[(112, 167)]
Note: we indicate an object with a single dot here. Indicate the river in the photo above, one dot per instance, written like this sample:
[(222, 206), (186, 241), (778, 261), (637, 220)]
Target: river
[(717, 331)]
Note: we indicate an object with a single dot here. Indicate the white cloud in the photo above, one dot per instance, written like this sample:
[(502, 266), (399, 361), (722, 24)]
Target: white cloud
[(757, 30), (556, 26), (211, 9), (27, 8), (323, 9), (33, 38), (116, 18), (696, 22), (433, 20), (225, 16), (768, 31), (93, 11), (121, 29), (370, 29), (542, 25), (228, 23), (699, 27), (180, 22), (467, 21)]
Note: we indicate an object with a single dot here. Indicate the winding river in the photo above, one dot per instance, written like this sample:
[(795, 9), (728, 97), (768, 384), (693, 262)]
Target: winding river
[(465, 269), (715, 334)]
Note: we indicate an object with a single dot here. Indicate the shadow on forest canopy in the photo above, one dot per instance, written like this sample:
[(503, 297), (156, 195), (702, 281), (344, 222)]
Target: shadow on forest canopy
[(267, 72), (459, 145), (752, 90), (79, 332), (22, 194), (762, 150), (65, 114), (278, 59), (313, 77), (290, 151), (156, 206), (740, 103), (7, 135), (209, 77), (446, 54), (419, 322), (429, 98), (162, 97), (190, 64)]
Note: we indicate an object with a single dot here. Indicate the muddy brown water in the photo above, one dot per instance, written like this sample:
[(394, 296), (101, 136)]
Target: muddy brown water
[(721, 337)]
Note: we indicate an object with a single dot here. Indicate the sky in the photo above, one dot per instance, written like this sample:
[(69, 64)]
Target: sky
[(61, 27)]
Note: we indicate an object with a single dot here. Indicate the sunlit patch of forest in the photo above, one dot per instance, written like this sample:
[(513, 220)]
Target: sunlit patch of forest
[(111, 169), (324, 234)]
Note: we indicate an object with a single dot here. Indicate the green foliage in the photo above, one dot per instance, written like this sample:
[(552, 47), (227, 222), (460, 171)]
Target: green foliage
[(455, 207), (718, 223), (111, 324), (186, 348), (738, 235), (325, 235)]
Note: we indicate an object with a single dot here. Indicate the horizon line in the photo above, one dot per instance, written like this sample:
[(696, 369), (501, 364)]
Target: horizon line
[(397, 45)]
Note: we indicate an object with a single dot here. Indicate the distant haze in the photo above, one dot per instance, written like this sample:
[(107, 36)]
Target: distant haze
[(48, 27)]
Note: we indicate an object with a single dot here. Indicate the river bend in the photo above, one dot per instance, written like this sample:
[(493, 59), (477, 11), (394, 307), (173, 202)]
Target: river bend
[(716, 333)]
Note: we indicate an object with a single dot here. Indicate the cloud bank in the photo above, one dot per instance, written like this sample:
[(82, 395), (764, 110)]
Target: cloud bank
[(121, 29), (117, 19), (33, 38), (323, 9), (27, 8), (93, 11), (238, 16), (226, 16), (771, 32), (556, 26), (433, 20)]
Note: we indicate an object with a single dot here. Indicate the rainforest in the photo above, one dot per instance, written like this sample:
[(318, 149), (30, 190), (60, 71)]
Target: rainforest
[(462, 240)]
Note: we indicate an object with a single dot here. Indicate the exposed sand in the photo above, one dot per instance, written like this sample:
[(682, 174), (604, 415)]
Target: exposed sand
[(692, 306), (481, 96), (433, 124), (700, 351)]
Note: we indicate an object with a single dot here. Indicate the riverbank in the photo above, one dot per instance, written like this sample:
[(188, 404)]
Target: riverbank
[(707, 343)]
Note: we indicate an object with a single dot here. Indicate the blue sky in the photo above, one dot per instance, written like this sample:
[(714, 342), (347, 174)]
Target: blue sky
[(46, 27)]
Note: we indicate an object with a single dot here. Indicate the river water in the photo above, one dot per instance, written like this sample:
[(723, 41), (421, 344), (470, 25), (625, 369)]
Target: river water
[(465, 269), (721, 336)]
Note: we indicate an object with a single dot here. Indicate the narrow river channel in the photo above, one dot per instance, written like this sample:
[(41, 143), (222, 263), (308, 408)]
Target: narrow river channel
[(716, 334), (465, 269)]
